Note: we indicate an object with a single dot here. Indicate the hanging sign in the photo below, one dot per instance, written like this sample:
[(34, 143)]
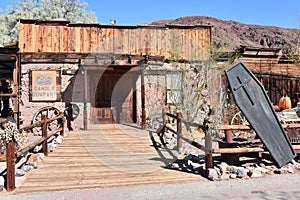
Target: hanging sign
[(43, 86)]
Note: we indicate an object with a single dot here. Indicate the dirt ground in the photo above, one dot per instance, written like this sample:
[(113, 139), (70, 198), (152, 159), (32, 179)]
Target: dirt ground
[(284, 186)]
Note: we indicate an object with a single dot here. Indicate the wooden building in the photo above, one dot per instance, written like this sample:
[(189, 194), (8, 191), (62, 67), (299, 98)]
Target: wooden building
[(278, 73), (101, 68)]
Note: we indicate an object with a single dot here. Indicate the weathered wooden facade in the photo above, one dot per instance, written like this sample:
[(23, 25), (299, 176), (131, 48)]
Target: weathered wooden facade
[(278, 73), (102, 67)]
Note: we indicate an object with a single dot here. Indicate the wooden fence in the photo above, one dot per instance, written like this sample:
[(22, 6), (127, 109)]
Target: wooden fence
[(278, 85), (12, 155), (207, 148)]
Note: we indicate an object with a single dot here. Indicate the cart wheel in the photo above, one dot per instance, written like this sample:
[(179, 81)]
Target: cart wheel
[(239, 119), (50, 112), (72, 111)]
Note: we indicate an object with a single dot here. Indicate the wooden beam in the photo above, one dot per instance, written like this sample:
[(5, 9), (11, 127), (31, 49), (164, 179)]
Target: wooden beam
[(244, 150), (246, 127), (2, 158), (237, 150)]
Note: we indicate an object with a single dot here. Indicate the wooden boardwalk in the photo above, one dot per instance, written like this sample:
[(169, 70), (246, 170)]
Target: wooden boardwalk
[(105, 156)]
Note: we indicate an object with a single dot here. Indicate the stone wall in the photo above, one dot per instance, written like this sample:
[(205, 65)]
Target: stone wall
[(28, 108)]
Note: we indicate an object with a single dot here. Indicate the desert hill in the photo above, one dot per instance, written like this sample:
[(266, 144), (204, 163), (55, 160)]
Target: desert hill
[(230, 35)]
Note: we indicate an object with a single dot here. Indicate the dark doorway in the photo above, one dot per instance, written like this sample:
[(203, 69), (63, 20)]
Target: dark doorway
[(115, 96)]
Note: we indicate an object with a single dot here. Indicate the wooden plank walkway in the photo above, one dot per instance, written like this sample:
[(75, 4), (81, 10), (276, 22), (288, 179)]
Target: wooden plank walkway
[(106, 156)]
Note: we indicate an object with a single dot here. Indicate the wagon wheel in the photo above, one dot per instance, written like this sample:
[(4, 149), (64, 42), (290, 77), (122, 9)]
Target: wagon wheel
[(239, 119), (72, 111), (50, 112)]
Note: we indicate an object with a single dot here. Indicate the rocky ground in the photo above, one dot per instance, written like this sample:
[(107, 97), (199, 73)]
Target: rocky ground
[(193, 163), (192, 160)]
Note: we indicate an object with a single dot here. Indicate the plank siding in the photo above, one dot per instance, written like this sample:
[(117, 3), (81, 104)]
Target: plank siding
[(56, 39), (47, 37), (64, 35)]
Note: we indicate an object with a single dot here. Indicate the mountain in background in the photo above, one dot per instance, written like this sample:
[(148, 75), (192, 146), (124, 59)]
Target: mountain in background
[(230, 35)]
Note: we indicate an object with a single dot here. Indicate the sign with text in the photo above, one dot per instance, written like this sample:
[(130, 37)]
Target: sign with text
[(43, 85)]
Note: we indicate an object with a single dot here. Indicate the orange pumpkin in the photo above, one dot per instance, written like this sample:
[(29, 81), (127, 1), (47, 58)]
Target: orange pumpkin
[(285, 103)]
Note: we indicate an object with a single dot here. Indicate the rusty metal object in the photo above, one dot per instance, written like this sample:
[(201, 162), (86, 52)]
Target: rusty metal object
[(293, 135)]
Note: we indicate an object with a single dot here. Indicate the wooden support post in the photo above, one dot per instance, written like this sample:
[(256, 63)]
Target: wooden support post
[(44, 135), (208, 147), (143, 93), (179, 131), (17, 82), (85, 88), (208, 153), (228, 136), (62, 126), (164, 116), (231, 159), (10, 166)]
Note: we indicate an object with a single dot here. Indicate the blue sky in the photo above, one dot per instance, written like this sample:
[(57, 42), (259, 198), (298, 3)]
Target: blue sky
[(282, 13)]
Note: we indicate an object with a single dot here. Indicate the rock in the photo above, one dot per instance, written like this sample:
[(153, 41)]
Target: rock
[(213, 174), (2, 181), (290, 168), (194, 165), (261, 165), (20, 172), (255, 173), (232, 176), (241, 172), (27, 168), (296, 164), (33, 160), (54, 144), (51, 139), (225, 176), (218, 171), (263, 170), (41, 156), (37, 148), (231, 169), (223, 167), (282, 170), (50, 147), (59, 139)]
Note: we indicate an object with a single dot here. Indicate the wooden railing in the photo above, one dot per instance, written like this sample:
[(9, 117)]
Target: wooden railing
[(207, 148), (12, 155)]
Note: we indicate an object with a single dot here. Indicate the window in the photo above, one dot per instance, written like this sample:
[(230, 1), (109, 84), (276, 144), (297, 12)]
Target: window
[(174, 89)]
